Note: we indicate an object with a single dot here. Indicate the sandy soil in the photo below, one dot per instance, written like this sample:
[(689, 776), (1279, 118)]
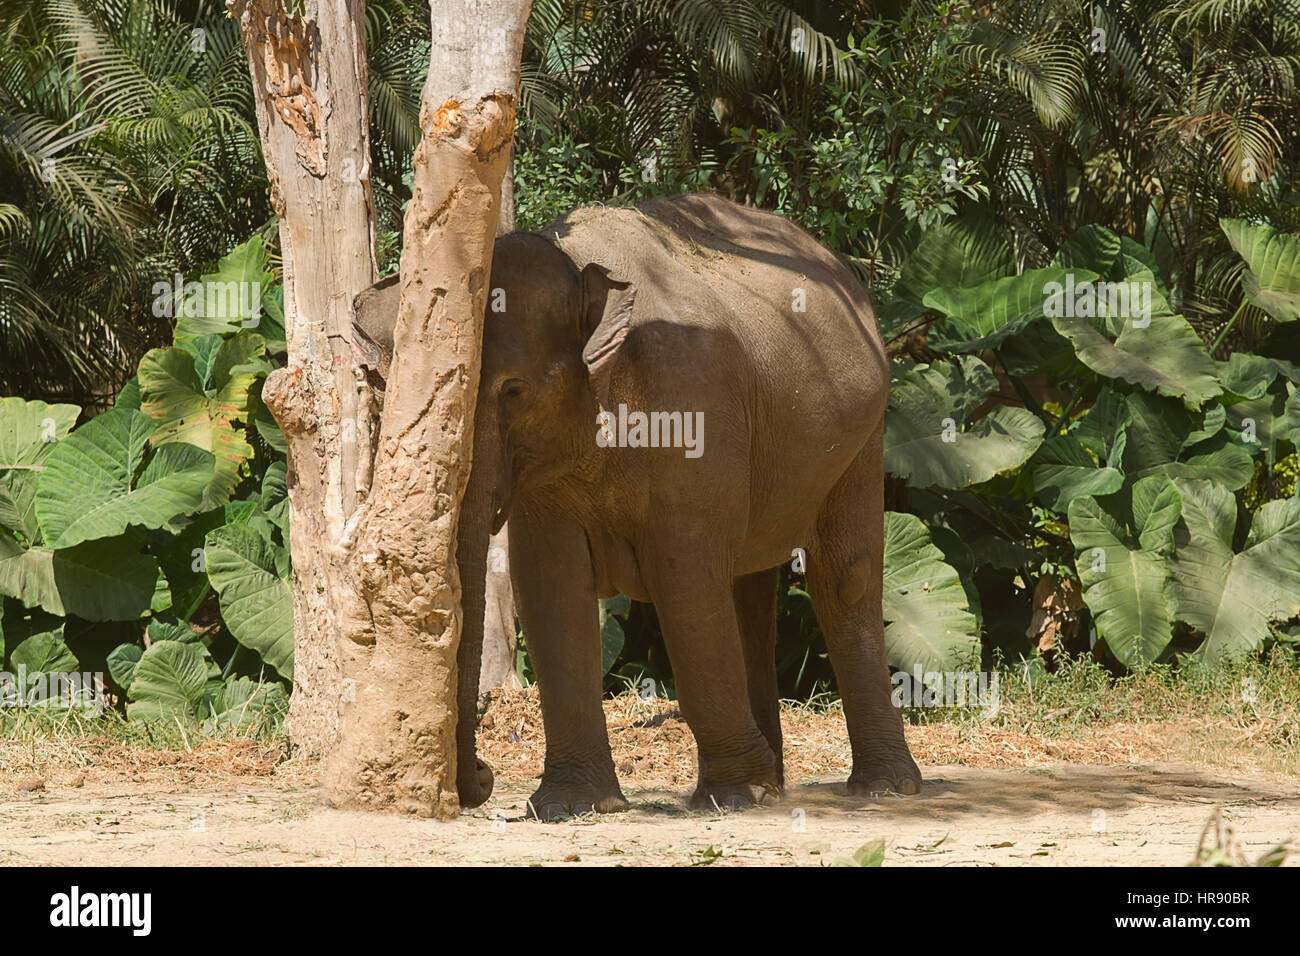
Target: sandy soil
[(1111, 798), (1058, 816)]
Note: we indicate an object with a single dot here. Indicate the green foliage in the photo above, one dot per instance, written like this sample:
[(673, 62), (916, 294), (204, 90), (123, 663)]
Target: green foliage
[(930, 438), (1272, 276), (164, 518), (251, 574), (929, 623), (1133, 491)]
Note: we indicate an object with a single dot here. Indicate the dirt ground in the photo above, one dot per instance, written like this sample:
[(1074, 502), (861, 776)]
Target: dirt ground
[(1128, 795)]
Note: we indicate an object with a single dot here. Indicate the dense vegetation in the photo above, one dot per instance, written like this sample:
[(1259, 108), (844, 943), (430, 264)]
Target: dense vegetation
[(1116, 478)]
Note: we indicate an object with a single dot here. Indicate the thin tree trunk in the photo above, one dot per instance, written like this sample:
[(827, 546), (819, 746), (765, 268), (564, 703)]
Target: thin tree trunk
[(397, 748), (498, 665), (309, 83), (499, 642)]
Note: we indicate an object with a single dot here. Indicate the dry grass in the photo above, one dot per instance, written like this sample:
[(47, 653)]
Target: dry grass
[(1078, 715)]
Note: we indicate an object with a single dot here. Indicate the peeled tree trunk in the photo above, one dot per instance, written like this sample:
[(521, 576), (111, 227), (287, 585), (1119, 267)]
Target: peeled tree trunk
[(309, 85), (400, 599), (498, 657)]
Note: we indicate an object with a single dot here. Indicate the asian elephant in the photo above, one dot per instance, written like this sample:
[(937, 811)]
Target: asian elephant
[(674, 398)]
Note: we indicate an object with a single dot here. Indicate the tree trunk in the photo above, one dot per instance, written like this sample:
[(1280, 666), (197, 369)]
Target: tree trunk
[(499, 641), (402, 593), (309, 83)]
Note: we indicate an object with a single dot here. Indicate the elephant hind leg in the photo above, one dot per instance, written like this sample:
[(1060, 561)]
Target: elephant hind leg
[(755, 599), (846, 581), (698, 616)]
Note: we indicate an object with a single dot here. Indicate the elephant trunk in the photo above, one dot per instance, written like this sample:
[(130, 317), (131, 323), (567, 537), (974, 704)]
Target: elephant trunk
[(478, 511)]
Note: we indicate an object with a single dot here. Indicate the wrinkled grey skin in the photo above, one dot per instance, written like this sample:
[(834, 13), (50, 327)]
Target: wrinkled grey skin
[(694, 305)]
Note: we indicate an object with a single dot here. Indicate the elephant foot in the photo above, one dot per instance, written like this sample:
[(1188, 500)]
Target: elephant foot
[(885, 773), (569, 791), (729, 781), (734, 796), (474, 789)]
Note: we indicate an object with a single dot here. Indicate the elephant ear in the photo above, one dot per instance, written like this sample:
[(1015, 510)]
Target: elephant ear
[(374, 318), (606, 319)]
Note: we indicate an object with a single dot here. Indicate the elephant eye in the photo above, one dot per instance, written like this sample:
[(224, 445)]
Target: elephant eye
[(512, 388)]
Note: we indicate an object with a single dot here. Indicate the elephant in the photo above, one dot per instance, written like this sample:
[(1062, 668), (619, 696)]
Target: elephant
[(673, 399)]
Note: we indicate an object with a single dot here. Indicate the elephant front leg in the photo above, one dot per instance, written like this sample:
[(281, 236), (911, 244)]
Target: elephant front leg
[(555, 595)]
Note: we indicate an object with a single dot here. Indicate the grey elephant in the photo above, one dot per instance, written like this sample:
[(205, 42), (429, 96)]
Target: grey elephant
[(674, 398)]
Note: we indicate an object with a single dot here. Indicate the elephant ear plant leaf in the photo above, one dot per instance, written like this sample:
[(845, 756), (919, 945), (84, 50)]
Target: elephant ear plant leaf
[(251, 580), (929, 623), (1164, 438), (1159, 352), (44, 653), (94, 485), (168, 682), (29, 431), (954, 255), (611, 631), (73, 501), (109, 579), (984, 316), (247, 706), (228, 300), (121, 662), (174, 395), (1229, 596), (929, 436), (1272, 276), (1125, 580), (1063, 470)]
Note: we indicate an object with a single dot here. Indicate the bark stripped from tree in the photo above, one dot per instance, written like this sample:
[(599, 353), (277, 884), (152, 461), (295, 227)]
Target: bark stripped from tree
[(497, 668), (402, 591), (309, 83)]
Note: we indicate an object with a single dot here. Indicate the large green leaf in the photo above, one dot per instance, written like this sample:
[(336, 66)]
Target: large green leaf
[(168, 683), (1245, 376), (983, 316), (611, 630), (1125, 580), (174, 396), (1104, 430), (1258, 424), (1166, 356), (1165, 439), (1063, 470), (930, 625), (44, 653), (256, 602), (1232, 597), (108, 579), (183, 559), (275, 495), (929, 438), (1115, 258), (29, 431), (93, 486), (246, 706), (957, 254), (121, 662), (1272, 276), (224, 300)]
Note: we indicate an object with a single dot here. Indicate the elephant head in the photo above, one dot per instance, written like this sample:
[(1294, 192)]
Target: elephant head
[(551, 332)]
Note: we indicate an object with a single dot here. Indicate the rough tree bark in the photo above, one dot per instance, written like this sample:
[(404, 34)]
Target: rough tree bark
[(309, 84), (401, 597)]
